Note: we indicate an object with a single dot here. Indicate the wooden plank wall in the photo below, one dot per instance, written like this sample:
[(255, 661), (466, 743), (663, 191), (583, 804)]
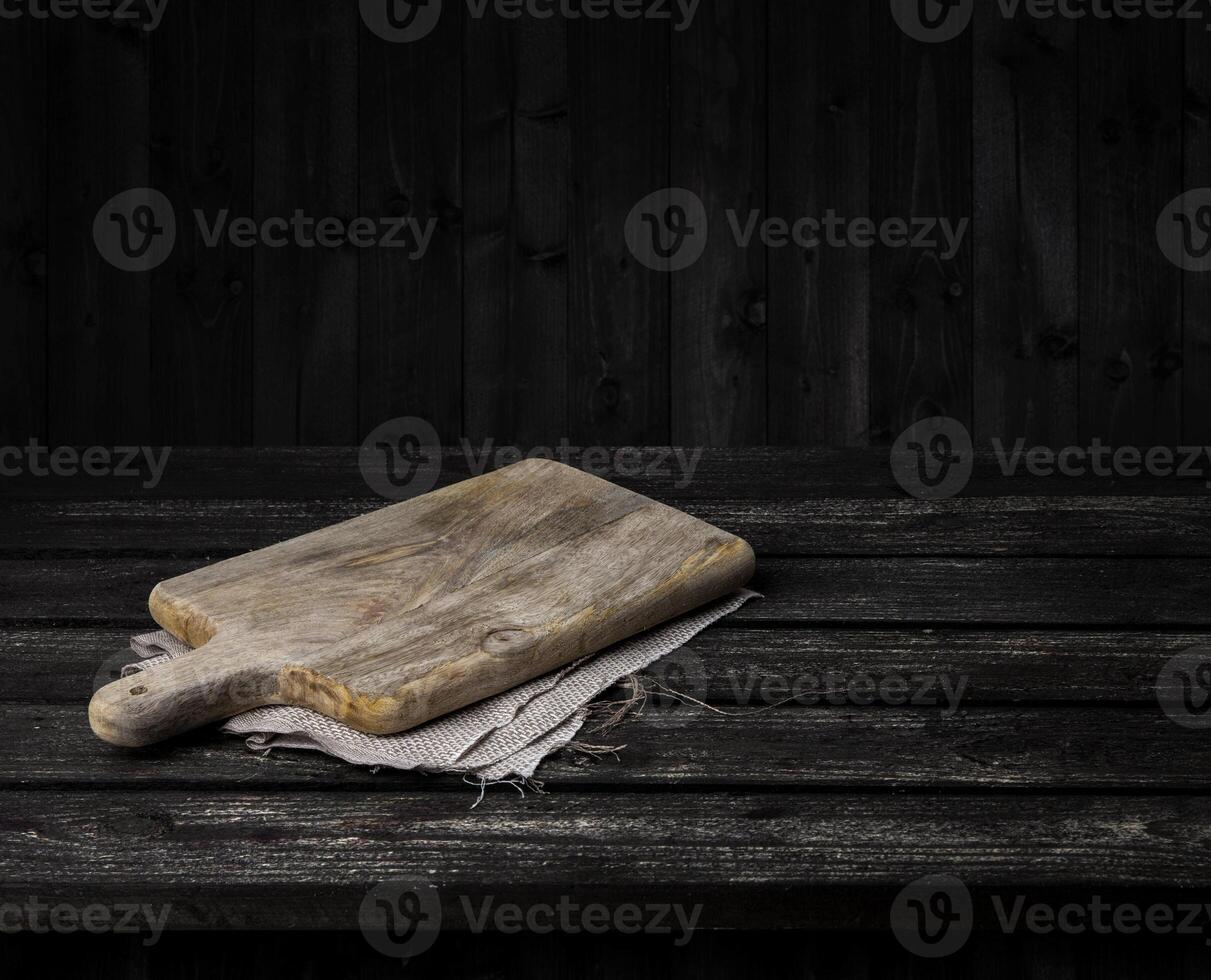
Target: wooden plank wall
[(528, 141)]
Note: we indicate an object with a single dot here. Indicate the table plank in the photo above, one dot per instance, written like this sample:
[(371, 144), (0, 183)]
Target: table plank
[(305, 859), (736, 474), (1083, 525), (729, 664), (790, 747), (1028, 592)]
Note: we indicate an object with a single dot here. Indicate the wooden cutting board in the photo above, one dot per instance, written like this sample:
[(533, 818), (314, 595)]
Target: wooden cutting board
[(399, 616)]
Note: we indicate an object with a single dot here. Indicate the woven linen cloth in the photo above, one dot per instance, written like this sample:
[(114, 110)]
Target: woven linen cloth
[(502, 737)]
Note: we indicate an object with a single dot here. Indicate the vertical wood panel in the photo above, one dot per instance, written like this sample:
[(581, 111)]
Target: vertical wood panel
[(99, 316), (516, 229), (23, 73), (201, 158), (306, 300), (921, 153), (1131, 96), (618, 347), (1196, 286), (819, 159), (411, 309), (1025, 197), (718, 151)]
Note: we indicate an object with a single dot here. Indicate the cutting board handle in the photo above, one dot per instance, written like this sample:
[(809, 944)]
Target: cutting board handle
[(210, 684)]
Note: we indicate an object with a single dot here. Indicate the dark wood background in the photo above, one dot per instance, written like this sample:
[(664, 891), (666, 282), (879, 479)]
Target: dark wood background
[(530, 141)]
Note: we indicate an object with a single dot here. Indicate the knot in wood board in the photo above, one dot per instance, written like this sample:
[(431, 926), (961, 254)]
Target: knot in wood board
[(505, 642)]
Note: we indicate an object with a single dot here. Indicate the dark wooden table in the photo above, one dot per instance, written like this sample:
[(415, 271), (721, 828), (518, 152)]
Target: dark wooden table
[(1055, 601)]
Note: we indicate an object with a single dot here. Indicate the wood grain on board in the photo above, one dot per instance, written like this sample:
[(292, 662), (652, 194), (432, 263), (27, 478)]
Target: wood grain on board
[(921, 132), (202, 160), (515, 254), (1025, 192), (305, 300), (1130, 168), (23, 297), (734, 663), (409, 160), (618, 310), (752, 858), (1196, 287), (412, 611), (1052, 770), (819, 162), (1076, 525), (717, 98), (99, 316), (1113, 592)]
